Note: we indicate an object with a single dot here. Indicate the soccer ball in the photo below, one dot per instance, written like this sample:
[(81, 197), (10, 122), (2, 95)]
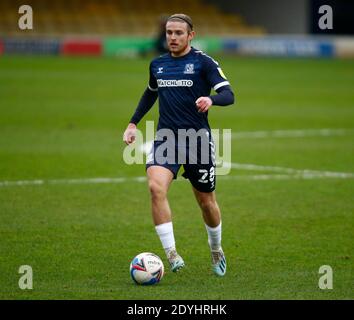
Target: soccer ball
[(146, 268)]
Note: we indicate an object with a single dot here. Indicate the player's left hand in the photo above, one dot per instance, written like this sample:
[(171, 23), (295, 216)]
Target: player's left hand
[(203, 104)]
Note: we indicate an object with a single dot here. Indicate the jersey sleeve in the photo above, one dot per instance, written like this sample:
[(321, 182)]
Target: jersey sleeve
[(152, 80), (214, 73)]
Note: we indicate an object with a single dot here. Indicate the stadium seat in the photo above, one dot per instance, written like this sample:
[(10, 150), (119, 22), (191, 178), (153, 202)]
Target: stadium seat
[(116, 17)]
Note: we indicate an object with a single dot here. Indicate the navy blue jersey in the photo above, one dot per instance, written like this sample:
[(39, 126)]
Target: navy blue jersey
[(180, 81)]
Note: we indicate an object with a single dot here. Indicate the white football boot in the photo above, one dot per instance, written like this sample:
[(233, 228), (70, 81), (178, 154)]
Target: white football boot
[(175, 260), (218, 262)]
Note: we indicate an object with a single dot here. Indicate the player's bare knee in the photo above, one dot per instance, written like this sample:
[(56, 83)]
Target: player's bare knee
[(207, 205), (157, 189)]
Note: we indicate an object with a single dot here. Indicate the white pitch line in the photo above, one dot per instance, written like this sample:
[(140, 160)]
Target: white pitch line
[(71, 181), (282, 174), (264, 177), (292, 133), (292, 171), (307, 176)]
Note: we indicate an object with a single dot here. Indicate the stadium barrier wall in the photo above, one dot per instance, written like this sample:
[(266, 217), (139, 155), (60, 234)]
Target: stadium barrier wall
[(281, 46), (209, 44), (30, 46), (139, 46), (278, 46), (127, 46), (344, 47), (81, 47)]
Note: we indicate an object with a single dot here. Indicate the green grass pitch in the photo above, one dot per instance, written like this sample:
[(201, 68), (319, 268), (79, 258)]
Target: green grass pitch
[(63, 118)]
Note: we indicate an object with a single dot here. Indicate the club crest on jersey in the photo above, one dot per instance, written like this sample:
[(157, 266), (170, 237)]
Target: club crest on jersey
[(189, 68)]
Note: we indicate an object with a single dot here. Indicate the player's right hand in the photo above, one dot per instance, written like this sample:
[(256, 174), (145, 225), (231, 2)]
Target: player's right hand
[(129, 133)]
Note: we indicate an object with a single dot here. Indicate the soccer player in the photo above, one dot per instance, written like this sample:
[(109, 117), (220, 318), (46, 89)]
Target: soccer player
[(182, 80)]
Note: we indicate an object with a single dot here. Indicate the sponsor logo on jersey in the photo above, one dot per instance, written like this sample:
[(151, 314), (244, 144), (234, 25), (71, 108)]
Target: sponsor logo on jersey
[(160, 70), (189, 68), (174, 83)]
